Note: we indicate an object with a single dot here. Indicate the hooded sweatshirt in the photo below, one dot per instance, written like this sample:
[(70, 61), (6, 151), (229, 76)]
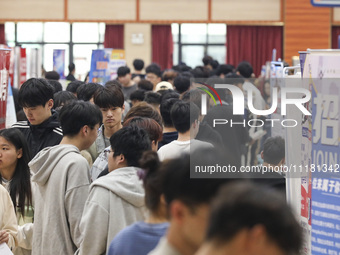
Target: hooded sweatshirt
[(62, 178), (115, 201)]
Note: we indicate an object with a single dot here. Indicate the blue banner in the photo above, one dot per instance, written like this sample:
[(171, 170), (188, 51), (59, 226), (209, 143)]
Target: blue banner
[(59, 62)]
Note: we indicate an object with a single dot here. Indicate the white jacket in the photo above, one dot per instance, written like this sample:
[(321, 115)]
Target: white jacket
[(115, 201), (8, 220)]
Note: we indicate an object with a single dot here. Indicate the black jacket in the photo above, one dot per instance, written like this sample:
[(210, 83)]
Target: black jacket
[(48, 133)]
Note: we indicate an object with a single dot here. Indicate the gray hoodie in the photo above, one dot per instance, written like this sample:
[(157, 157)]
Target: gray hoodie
[(115, 201), (62, 178)]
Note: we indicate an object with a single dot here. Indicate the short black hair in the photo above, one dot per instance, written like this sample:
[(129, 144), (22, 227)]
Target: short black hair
[(224, 69), (76, 114), (145, 84), (52, 75), (183, 114), (138, 64), (182, 83), (35, 92), (56, 85), (138, 95), (154, 68), (165, 108), (178, 184), (245, 69), (122, 71), (131, 141), (167, 94), (86, 91), (152, 97), (73, 86), (243, 205), (200, 72), (71, 67), (113, 83), (107, 98), (273, 150), (63, 97), (206, 60)]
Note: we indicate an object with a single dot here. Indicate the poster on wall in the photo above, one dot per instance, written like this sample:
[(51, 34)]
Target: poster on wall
[(105, 63), (4, 75), (59, 62)]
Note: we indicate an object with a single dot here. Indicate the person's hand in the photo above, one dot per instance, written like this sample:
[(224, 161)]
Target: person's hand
[(4, 236)]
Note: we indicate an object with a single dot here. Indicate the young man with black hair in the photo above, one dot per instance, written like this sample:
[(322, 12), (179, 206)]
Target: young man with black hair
[(52, 75), (153, 74), (246, 71), (184, 116), (61, 175), (111, 104), (137, 96), (137, 76), (42, 128), (188, 201), (124, 77), (73, 86), (117, 199), (169, 131), (145, 85), (251, 220), (153, 99), (205, 133), (182, 84), (72, 71), (273, 156), (86, 91)]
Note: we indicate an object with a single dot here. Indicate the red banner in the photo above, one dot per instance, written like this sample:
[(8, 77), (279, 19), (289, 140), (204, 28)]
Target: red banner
[(4, 67)]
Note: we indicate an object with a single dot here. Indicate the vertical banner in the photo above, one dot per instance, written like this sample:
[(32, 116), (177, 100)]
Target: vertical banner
[(325, 155), (22, 66), (105, 63), (4, 68), (34, 57), (59, 62), (11, 117)]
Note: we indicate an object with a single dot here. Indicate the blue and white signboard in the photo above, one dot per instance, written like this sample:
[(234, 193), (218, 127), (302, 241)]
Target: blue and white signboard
[(325, 3), (325, 166)]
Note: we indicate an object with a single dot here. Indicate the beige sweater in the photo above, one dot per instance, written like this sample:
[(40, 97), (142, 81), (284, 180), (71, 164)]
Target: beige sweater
[(8, 220)]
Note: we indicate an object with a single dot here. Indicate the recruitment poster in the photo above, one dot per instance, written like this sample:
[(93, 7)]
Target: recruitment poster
[(325, 155), (105, 63)]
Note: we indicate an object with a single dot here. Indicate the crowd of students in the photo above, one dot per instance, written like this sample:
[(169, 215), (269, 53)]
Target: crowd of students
[(107, 169)]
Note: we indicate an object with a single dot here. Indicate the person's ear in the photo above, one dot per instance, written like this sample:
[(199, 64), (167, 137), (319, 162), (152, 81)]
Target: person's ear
[(178, 211), (121, 158), (50, 104), (19, 153), (123, 107), (85, 130)]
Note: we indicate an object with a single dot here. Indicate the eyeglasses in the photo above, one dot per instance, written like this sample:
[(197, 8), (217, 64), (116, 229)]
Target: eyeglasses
[(107, 152)]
